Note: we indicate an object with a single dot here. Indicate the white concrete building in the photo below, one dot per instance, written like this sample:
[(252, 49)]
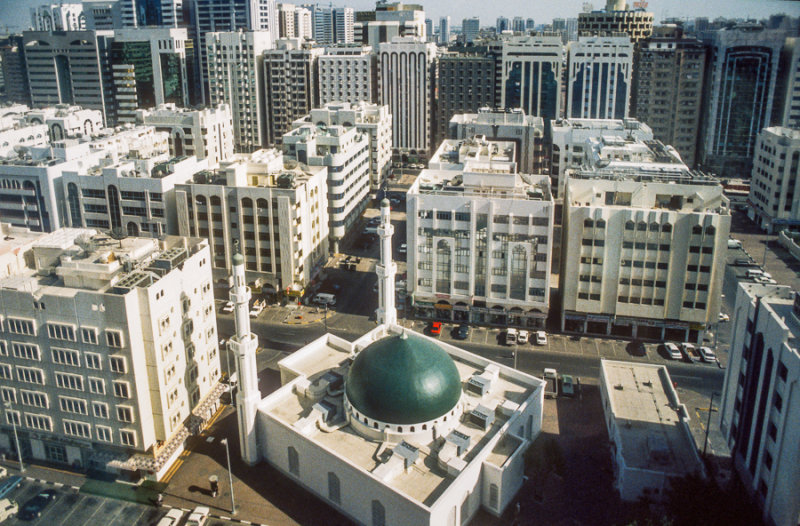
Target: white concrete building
[(295, 22), (570, 138), (648, 427), (759, 406), (137, 14), (17, 242), (386, 440), (372, 119), (345, 151), (102, 14), (58, 17), (479, 237), (599, 73), (532, 70), (134, 193), (773, 202), (204, 133), (524, 130), (275, 208), (235, 62), (67, 122), (406, 77), (347, 74), (16, 136), (648, 251), (109, 351)]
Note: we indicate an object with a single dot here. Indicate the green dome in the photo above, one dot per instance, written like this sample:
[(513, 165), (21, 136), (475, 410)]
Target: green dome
[(403, 379)]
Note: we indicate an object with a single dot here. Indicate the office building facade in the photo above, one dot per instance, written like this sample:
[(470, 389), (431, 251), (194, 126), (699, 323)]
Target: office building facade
[(773, 203), (347, 73), (532, 72), (599, 75), (465, 84)]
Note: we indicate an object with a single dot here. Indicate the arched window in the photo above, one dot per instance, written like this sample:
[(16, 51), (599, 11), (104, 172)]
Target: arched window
[(697, 229), (710, 230), (641, 226), (247, 203), (215, 201), (294, 461), (654, 227), (378, 514), (600, 224), (133, 229), (666, 227), (334, 488), (629, 225), (588, 223), (200, 200)]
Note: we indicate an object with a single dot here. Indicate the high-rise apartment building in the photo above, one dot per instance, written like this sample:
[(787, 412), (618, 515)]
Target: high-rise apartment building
[(58, 17), (235, 78), (294, 22), (70, 67), (773, 201), (406, 77), (372, 119), (465, 84), (115, 363), (290, 85), (274, 208), (409, 17), (102, 14), (531, 74), (347, 73), (14, 69), (525, 131), (479, 237), (739, 96), (444, 30), (637, 24), (518, 24), (759, 402), (345, 151), (429, 30), (642, 253), (152, 66), (668, 87), (788, 113), (470, 27), (503, 24), (598, 77), (149, 13), (204, 133)]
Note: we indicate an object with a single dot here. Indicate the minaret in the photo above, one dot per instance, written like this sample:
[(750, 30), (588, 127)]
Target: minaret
[(386, 269), (244, 344)]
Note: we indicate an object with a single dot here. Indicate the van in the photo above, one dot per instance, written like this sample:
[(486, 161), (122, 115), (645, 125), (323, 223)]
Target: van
[(753, 272), (323, 298), (511, 336), (734, 243)]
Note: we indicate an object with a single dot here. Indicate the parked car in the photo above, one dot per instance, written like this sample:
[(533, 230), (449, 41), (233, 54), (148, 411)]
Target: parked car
[(34, 507), (9, 484), (435, 329), (172, 518), (672, 350), (707, 355), (3, 472), (228, 307), (256, 309), (522, 336), (541, 338), (724, 317), (462, 333), (636, 348), (198, 517), (567, 385), (688, 351), (511, 336), (8, 509)]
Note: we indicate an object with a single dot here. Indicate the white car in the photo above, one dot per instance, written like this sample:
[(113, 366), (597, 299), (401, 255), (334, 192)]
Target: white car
[(541, 338), (3, 472), (707, 355), (724, 317), (198, 517), (672, 350), (255, 310), (522, 336), (8, 509), (172, 518), (228, 308), (689, 351)]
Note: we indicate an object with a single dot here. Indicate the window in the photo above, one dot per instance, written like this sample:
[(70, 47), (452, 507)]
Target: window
[(5, 371), (60, 331), (77, 429), (494, 496), (100, 410), (89, 335), (12, 417), (128, 438), (103, 433), (782, 371), (118, 364), (294, 461), (334, 493), (34, 398), (69, 381), (20, 326), (8, 394), (73, 405), (40, 422), (121, 389), (66, 357), (778, 402), (26, 351), (3, 348), (93, 360), (443, 215), (772, 431), (124, 413), (97, 386), (30, 375), (113, 338)]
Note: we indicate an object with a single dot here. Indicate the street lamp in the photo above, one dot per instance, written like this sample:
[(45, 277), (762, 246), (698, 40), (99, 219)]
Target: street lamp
[(708, 423), (224, 441), (7, 405)]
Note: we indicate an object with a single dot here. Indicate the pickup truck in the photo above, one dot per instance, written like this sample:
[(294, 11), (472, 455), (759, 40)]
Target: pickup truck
[(551, 379)]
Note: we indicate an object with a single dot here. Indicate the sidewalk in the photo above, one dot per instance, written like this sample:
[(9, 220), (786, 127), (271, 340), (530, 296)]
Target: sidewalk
[(46, 474)]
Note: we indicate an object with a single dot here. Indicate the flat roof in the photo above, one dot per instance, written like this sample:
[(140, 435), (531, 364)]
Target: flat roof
[(648, 418)]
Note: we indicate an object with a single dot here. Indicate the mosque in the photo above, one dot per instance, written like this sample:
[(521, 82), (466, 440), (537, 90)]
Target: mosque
[(395, 428)]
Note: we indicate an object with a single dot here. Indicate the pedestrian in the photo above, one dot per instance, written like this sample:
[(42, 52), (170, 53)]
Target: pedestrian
[(160, 499)]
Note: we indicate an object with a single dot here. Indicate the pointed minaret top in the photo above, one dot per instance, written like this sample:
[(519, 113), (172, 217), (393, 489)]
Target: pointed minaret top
[(237, 258)]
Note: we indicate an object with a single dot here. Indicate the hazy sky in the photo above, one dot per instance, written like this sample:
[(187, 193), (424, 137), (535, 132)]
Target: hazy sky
[(15, 13)]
